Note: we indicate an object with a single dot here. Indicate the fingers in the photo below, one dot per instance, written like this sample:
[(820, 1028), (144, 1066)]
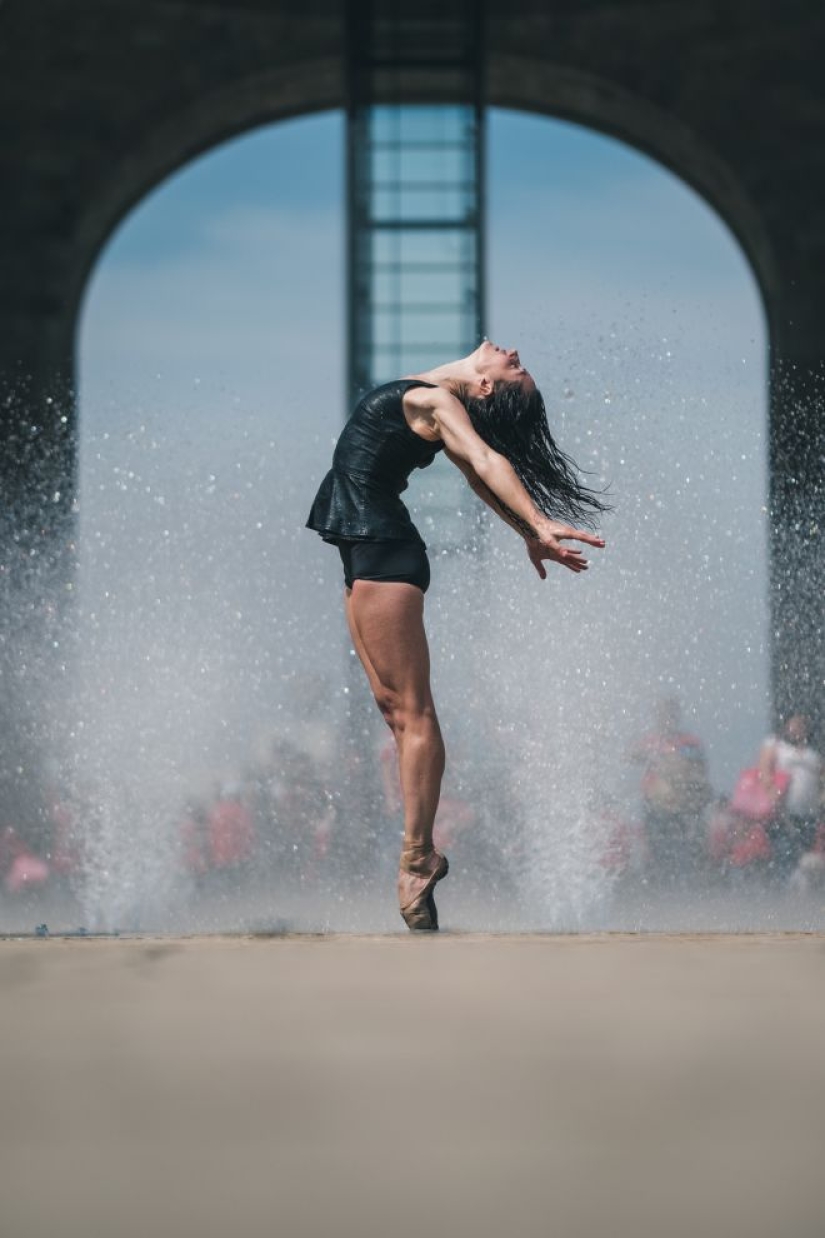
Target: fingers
[(573, 559), (579, 535), (560, 554), (537, 564)]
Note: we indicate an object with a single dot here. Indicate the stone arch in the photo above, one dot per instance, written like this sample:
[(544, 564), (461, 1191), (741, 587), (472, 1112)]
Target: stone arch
[(599, 104), (535, 86), (228, 113)]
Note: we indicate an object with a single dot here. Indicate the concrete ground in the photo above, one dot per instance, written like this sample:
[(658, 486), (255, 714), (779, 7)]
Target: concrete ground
[(409, 1088)]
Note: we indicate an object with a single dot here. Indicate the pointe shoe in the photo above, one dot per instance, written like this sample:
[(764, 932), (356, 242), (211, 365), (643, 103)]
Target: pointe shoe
[(420, 869)]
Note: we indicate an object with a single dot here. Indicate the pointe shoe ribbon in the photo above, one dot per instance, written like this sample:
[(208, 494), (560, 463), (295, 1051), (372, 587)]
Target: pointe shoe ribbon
[(420, 868)]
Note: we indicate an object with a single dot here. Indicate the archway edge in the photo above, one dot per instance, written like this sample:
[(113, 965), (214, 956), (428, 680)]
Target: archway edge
[(534, 86), (229, 112), (553, 90)]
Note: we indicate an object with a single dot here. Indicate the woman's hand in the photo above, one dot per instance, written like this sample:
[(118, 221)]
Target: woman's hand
[(547, 544)]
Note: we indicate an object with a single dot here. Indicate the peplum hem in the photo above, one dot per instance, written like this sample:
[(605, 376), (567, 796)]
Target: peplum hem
[(350, 509)]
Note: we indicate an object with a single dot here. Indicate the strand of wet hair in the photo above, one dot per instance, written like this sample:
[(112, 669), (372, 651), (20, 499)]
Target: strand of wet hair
[(515, 425)]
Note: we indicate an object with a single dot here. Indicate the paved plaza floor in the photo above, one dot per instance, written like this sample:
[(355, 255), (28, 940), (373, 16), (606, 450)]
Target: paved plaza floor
[(305, 1087)]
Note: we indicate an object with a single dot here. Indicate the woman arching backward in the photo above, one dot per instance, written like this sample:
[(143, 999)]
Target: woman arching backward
[(486, 413)]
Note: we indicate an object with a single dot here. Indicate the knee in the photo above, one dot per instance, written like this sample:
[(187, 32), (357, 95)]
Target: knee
[(412, 718), (389, 705), (408, 715)]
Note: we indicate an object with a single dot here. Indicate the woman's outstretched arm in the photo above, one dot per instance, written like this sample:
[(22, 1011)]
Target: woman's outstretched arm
[(486, 495), (511, 502), (536, 549)]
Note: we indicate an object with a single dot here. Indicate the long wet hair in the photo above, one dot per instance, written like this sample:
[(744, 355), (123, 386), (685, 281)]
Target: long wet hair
[(514, 423)]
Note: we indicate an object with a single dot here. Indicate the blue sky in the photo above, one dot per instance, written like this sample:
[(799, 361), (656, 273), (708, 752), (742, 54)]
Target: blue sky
[(211, 379), (299, 165), (294, 166), (237, 261)]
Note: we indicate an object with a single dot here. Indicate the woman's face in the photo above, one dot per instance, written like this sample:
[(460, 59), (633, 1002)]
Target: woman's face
[(502, 365)]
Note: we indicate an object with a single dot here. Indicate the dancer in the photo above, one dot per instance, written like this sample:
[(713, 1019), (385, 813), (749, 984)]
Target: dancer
[(486, 413)]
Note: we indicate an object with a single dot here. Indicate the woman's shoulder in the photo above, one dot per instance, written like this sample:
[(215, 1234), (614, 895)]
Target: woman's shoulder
[(421, 392), (414, 382), (396, 388)]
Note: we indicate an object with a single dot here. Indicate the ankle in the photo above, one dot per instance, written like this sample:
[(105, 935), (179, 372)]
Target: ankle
[(418, 857)]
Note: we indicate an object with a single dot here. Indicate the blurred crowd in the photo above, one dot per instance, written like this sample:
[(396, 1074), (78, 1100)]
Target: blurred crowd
[(275, 816), (314, 810), (769, 826)]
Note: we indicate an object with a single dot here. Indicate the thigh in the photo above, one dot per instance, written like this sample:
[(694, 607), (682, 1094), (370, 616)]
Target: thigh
[(387, 620), (358, 644)]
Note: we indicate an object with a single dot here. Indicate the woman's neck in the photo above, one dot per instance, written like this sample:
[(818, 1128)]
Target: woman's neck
[(451, 373)]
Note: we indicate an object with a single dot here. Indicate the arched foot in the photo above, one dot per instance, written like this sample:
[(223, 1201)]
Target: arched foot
[(417, 876)]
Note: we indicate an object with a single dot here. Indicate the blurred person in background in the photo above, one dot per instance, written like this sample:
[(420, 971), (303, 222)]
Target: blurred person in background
[(809, 873), (193, 839), (230, 830), (675, 794), (21, 868), (793, 831), (267, 787), (738, 843), (623, 847), (306, 814)]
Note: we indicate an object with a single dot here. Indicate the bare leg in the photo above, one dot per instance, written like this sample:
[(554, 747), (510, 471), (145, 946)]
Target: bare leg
[(386, 622)]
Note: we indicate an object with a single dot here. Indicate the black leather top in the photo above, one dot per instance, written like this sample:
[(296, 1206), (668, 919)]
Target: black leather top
[(359, 497)]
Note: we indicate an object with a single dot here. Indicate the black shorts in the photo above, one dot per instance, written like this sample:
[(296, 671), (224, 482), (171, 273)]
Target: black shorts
[(403, 562)]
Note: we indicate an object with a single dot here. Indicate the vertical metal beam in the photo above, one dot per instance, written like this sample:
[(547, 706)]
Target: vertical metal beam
[(415, 206), (359, 55)]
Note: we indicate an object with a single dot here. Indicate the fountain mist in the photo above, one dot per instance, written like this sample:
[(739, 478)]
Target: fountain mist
[(211, 679)]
